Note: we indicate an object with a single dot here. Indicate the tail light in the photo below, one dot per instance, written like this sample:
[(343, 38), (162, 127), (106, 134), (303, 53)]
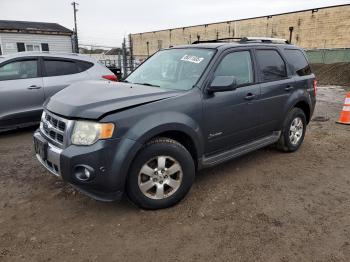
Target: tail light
[(315, 86), (110, 77)]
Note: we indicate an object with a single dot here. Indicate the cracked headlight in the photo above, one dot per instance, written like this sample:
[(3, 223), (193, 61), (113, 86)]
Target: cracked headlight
[(87, 132)]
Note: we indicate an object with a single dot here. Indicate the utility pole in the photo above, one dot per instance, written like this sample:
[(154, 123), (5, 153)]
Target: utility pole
[(74, 4), (125, 62)]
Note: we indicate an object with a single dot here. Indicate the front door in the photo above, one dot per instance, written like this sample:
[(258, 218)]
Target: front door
[(21, 92), (231, 117)]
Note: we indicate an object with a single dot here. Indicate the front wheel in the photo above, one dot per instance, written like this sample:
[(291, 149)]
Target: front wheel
[(293, 131), (161, 174)]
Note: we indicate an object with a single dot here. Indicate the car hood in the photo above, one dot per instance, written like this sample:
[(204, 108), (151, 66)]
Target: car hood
[(93, 99)]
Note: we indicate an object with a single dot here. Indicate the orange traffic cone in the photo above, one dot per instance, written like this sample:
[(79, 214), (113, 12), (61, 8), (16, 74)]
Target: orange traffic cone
[(345, 113)]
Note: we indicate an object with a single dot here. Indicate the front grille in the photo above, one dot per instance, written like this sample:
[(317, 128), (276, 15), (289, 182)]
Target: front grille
[(54, 128)]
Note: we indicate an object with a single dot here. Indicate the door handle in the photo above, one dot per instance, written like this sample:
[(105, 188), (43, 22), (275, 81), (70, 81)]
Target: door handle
[(288, 88), (34, 87), (249, 96)]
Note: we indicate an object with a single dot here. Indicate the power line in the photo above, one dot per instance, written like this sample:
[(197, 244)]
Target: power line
[(95, 45)]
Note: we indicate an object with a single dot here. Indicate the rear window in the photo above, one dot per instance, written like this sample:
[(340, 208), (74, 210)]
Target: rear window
[(271, 65), (60, 67), (298, 61), (83, 65)]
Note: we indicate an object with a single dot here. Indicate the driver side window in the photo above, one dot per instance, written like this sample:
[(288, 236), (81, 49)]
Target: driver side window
[(237, 64), (19, 70)]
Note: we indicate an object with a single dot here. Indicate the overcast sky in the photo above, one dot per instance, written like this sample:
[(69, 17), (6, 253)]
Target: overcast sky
[(105, 22)]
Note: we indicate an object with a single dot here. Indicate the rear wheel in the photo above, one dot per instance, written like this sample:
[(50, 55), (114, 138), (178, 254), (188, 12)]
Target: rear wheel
[(161, 174), (293, 131)]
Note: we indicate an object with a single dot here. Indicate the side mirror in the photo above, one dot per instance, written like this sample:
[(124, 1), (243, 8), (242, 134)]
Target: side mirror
[(222, 84)]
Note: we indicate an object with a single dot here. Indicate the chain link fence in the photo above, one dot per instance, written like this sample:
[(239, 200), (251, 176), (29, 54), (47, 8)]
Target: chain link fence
[(329, 56)]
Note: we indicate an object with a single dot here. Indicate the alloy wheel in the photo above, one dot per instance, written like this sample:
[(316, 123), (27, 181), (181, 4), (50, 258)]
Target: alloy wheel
[(296, 130), (160, 177)]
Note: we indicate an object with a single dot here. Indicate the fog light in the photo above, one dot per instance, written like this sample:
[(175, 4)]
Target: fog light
[(83, 173)]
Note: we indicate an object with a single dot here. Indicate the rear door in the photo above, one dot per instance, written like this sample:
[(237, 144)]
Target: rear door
[(276, 87), (60, 73), (21, 92), (301, 71)]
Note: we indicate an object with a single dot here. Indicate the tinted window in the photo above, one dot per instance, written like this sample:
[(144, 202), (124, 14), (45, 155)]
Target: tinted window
[(272, 66), (298, 61), (83, 65), (19, 70), (239, 65), (60, 67)]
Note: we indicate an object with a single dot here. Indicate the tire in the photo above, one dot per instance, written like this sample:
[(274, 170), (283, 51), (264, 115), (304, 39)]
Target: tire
[(287, 142), (169, 156)]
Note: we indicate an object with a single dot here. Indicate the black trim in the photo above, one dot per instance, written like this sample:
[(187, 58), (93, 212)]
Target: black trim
[(240, 150)]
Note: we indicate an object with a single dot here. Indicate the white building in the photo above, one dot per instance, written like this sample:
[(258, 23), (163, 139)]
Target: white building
[(19, 36)]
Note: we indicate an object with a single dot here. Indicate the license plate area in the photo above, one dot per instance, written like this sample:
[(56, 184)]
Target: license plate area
[(40, 146)]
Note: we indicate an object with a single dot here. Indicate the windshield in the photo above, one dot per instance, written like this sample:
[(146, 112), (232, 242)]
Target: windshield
[(177, 69)]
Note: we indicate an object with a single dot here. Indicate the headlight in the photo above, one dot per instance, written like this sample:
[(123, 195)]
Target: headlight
[(87, 133)]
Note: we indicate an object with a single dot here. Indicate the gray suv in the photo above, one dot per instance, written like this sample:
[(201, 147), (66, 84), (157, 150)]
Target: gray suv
[(27, 79), (184, 109)]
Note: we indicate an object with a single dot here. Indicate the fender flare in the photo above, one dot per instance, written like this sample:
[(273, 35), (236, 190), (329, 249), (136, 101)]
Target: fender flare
[(146, 129)]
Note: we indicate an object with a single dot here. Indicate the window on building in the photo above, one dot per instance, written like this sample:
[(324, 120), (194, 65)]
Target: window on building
[(55, 67), (44, 47), (239, 65), (298, 61), (32, 47), (272, 66), (21, 47), (19, 70)]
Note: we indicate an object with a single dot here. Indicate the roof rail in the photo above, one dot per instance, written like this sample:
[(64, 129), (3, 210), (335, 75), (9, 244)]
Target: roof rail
[(265, 40), (217, 40), (48, 52), (244, 40)]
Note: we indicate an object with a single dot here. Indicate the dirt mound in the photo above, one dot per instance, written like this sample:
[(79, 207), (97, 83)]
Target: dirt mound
[(332, 74)]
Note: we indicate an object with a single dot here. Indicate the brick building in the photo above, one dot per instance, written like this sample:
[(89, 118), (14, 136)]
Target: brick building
[(318, 28)]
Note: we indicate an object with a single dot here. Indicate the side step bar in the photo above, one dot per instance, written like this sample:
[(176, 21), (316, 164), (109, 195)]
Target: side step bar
[(241, 150)]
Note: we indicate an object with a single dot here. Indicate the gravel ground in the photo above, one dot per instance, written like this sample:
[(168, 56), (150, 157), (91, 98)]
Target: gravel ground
[(265, 206)]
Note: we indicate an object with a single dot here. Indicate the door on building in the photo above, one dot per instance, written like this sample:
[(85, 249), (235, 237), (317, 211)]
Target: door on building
[(21, 92)]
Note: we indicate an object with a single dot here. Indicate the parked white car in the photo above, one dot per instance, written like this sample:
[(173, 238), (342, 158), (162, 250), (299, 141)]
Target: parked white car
[(27, 79)]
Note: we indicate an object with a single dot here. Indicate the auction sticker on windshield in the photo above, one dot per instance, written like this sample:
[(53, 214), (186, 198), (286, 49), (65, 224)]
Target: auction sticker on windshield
[(192, 59)]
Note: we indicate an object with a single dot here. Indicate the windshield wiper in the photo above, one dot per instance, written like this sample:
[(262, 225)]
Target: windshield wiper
[(146, 84), (125, 81)]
